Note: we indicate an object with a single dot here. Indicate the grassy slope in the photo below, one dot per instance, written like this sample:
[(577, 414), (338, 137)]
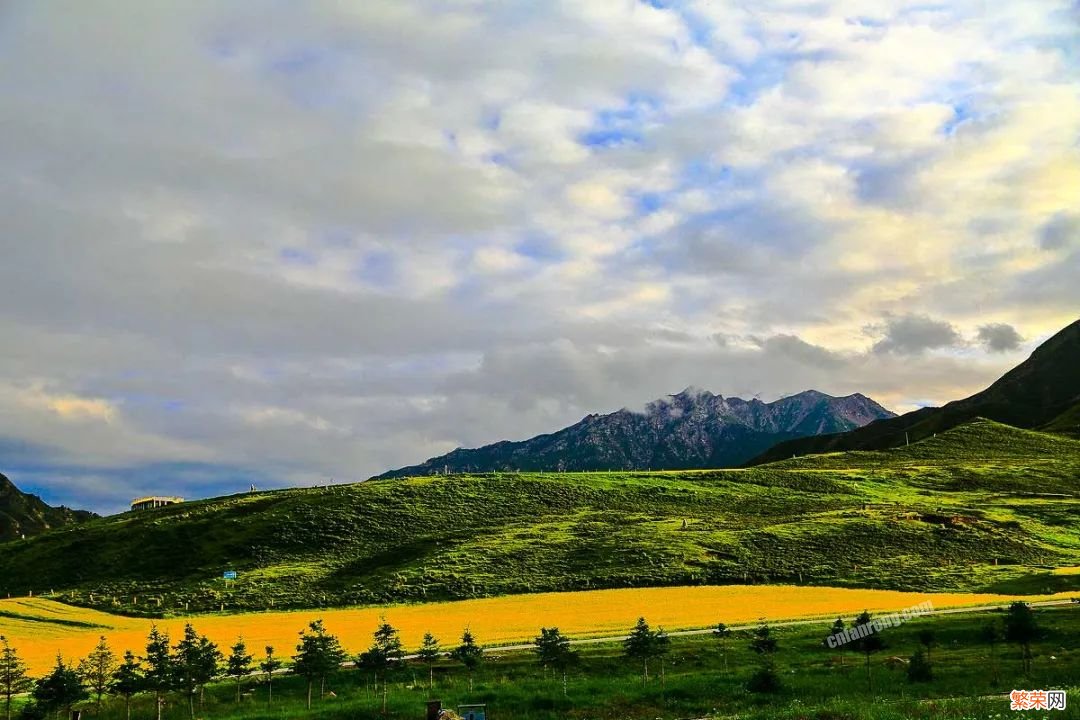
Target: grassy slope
[(932, 516), (1067, 423)]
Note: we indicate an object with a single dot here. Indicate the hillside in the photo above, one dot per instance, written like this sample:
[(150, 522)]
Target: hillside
[(24, 514), (1032, 394), (693, 429), (1067, 423), (984, 507)]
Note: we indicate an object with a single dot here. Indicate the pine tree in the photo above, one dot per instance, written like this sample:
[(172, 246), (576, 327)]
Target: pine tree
[(428, 654), (317, 655), (196, 664), (643, 644), (1021, 628), (96, 670), (553, 651), (60, 689), (837, 629), (469, 654), (127, 680), (722, 633), (919, 668), (869, 642), (269, 665), (238, 664), (384, 656), (13, 677), (927, 639), (762, 642), (160, 673)]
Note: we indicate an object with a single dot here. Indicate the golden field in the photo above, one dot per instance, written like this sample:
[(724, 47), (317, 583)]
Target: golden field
[(40, 628)]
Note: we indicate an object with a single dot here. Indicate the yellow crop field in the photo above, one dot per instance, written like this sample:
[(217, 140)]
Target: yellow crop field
[(41, 628)]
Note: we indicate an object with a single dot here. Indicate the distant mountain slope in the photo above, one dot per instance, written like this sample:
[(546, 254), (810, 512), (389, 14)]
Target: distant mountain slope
[(1067, 423), (1032, 394), (25, 514), (694, 429)]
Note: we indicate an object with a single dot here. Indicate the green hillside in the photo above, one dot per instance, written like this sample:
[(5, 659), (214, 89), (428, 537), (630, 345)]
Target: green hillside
[(981, 507), (1067, 423)]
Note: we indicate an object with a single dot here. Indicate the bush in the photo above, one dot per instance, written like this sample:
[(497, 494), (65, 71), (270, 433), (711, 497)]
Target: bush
[(919, 669), (764, 680), (32, 711)]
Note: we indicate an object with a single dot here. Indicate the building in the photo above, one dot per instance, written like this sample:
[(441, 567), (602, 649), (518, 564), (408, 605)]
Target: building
[(146, 503)]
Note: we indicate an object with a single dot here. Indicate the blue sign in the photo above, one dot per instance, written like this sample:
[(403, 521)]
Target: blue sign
[(229, 575)]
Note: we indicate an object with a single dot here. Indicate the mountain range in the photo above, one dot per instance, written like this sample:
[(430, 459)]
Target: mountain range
[(1043, 392), (23, 515), (693, 429)]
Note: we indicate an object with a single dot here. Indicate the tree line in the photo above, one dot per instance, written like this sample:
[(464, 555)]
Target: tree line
[(184, 669)]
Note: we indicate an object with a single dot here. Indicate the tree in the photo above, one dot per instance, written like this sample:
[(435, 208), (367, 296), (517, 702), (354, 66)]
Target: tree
[(553, 650), (868, 641), (195, 663), (385, 655), (60, 689), (990, 634), (317, 655), (765, 679), (127, 680), (919, 668), (469, 654), (96, 670), (762, 641), (238, 664), (160, 675), (643, 643), (428, 654), (927, 639), (661, 647), (269, 665), (722, 633), (1021, 628), (837, 629), (13, 677)]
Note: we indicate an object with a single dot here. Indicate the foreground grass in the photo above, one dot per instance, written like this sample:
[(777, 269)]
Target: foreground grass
[(702, 679)]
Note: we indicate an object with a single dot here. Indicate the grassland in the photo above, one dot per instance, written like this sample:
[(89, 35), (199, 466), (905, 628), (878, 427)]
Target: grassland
[(981, 508), (42, 628), (701, 679)]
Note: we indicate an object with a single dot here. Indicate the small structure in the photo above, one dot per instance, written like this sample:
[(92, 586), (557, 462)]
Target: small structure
[(155, 501), (472, 712)]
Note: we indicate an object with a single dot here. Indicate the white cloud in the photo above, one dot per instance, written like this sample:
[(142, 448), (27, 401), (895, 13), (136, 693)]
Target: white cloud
[(313, 241)]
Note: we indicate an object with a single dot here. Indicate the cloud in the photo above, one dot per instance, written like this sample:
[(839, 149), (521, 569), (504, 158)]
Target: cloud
[(999, 337), (1061, 231), (296, 242), (913, 334)]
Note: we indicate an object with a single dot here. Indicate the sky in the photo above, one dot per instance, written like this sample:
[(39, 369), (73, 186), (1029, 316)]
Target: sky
[(293, 243)]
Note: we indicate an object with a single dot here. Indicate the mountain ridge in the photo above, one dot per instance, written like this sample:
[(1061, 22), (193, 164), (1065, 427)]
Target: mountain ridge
[(1044, 390), (23, 514), (691, 429)]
